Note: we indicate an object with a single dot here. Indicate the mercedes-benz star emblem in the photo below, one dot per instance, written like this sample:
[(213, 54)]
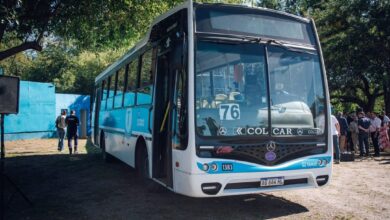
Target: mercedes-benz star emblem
[(222, 131), (271, 146)]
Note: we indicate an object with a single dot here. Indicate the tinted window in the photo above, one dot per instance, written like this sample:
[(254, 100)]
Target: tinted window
[(119, 88), (131, 83), (146, 69), (253, 22), (146, 79)]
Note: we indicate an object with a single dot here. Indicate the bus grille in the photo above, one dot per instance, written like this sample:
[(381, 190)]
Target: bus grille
[(284, 152)]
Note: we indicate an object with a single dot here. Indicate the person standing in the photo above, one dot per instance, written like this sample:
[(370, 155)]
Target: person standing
[(73, 122), (384, 137), (363, 125), (61, 125), (386, 119), (335, 129), (343, 131), (354, 130), (374, 130)]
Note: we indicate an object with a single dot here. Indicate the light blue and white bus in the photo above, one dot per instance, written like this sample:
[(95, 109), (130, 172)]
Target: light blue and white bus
[(219, 100)]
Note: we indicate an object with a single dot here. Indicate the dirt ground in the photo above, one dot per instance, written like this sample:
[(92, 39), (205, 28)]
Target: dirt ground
[(84, 187)]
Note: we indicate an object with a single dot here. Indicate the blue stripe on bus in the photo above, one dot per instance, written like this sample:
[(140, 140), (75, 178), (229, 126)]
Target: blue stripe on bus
[(239, 167)]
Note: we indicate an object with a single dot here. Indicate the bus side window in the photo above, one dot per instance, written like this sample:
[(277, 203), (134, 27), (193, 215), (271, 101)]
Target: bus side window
[(111, 92), (144, 95), (103, 95), (119, 88), (131, 83)]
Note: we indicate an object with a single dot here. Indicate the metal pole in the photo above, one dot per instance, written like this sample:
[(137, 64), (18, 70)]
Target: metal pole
[(2, 208)]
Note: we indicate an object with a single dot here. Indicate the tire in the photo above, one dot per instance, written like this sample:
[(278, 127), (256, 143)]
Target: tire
[(142, 169), (108, 158), (143, 164)]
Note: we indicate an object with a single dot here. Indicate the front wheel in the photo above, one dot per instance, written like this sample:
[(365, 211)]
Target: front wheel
[(143, 173), (143, 164)]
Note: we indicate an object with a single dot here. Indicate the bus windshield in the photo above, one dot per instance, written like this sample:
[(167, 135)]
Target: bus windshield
[(232, 84)]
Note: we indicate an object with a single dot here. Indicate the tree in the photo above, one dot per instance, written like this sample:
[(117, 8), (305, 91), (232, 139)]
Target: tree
[(353, 35), (88, 24)]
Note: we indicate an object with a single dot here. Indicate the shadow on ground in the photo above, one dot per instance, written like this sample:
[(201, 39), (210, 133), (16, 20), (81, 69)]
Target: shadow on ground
[(84, 187)]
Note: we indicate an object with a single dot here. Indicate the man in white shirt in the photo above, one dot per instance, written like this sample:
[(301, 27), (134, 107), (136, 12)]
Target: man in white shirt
[(335, 129), (374, 131)]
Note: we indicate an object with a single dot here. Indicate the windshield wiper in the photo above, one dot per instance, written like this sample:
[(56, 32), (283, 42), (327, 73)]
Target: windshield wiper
[(251, 39), (289, 48), (230, 37)]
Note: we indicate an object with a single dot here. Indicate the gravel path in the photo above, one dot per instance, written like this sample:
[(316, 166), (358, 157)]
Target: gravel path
[(84, 187)]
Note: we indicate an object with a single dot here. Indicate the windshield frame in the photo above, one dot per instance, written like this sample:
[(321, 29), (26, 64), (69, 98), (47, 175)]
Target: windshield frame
[(229, 40)]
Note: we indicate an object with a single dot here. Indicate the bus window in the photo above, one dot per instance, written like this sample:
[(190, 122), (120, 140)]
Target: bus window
[(119, 88), (111, 86), (144, 95), (131, 83), (104, 91)]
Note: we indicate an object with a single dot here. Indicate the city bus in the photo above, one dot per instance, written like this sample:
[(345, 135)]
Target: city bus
[(219, 100)]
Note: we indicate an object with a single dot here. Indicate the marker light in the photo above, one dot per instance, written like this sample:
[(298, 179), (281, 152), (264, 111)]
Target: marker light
[(214, 167)]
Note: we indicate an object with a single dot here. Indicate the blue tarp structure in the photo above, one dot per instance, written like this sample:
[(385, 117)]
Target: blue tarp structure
[(39, 106)]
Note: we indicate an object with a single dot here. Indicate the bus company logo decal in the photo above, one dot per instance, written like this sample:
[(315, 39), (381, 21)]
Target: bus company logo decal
[(224, 150), (270, 156)]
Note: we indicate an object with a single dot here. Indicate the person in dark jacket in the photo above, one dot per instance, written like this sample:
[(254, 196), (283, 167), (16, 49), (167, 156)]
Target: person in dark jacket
[(364, 129), (72, 122), (343, 131)]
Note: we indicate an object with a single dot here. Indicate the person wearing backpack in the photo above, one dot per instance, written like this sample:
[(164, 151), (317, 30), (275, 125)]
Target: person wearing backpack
[(61, 126)]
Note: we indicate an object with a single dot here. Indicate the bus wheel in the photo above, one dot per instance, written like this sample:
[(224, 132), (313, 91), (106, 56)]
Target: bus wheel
[(108, 158), (143, 174), (143, 164)]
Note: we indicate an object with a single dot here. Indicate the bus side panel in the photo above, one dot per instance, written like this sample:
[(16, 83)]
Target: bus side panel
[(113, 124)]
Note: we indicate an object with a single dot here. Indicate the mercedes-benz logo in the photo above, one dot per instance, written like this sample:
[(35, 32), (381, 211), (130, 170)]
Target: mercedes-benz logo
[(222, 131), (271, 146)]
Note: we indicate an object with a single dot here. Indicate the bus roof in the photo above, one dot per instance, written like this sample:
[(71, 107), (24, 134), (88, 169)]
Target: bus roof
[(116, 65)]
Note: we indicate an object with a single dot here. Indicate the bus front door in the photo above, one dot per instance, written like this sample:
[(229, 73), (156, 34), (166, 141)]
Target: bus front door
[(162, 129)]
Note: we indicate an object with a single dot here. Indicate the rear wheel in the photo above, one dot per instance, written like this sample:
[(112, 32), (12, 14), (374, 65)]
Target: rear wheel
[(108, 158)]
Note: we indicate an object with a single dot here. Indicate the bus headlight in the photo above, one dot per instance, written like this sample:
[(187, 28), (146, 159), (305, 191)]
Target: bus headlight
[(205, 167)]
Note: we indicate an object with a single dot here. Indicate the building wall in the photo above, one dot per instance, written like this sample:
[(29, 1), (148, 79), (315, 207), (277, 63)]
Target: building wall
[(77, 103), (36, 112), (39, 107)]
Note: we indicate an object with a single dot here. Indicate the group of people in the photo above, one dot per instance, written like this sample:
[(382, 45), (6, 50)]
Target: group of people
[(67, 124), (351, 133)]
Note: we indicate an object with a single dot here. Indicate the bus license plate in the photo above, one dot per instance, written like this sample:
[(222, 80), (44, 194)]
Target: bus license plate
[(273, 181)]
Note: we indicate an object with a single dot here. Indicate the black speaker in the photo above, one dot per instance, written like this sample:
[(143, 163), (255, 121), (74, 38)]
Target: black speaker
[(9, 94)]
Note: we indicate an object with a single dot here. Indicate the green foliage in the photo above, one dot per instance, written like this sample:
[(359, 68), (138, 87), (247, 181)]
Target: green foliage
[(81, 38), (355, 42)]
